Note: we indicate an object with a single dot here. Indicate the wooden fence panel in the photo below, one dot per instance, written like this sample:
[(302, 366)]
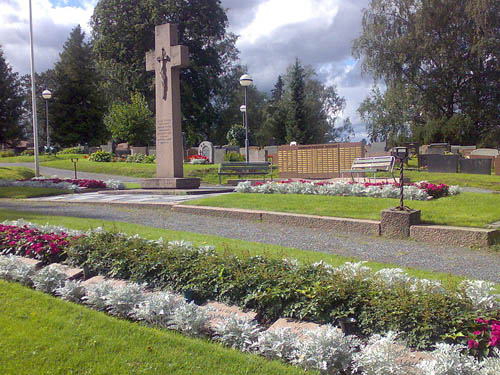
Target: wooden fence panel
[(317, 161)]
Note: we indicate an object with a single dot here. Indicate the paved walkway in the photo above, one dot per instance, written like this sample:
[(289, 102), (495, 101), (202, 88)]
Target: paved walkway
[(121, 198)]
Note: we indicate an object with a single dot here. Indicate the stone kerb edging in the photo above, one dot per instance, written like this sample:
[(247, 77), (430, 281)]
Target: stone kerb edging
[(448, 235), (368, 227), (458, 236)]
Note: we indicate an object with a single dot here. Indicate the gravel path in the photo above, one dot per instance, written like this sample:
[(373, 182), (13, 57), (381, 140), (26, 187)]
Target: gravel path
[(63, 173), (455, 260)]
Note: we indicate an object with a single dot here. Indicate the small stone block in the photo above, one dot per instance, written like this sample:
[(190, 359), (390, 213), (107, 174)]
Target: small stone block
[(220, 311), (72, 273), (297, 327), (30, 262), (396, 224), (171, 183), (100, 279)]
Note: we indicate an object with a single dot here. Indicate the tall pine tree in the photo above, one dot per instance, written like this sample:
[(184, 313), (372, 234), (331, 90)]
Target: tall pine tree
[(78, 107), (11, 101), (296, 124)]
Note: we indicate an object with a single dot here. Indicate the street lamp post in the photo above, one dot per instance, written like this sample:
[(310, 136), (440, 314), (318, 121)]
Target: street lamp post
[(47, 95), (245, 81)]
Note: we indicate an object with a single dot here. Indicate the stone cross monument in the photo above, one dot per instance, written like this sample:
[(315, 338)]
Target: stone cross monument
[(166, 61)]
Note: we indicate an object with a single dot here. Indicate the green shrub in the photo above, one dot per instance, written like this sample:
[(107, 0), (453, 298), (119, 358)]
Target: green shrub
[(28, 152), (141, 158), (71, 150), (275, 288), (6, 154), (101, 156), (234, 156)]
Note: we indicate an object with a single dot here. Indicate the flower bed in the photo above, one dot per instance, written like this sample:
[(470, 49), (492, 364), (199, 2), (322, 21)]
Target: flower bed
[(65, 184), (33, 243), (197, 159), (417, 191), (387, 300), (325, 349)]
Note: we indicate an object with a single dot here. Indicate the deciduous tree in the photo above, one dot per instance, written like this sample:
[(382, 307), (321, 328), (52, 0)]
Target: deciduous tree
[(131, 122), (443, 54), (123, 31)]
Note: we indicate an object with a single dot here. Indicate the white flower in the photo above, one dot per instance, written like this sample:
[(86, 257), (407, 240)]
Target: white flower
[(384, 355), (448, 360), (280, 343), (157, 308), (50, 278), (481, 293), (326, 349), (236, 332), (189, 319)]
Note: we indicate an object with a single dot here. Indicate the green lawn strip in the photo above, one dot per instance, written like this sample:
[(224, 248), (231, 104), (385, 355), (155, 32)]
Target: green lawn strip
[(223, 245), (45, 335), (16, 173), (16, 192), (206, 172), (41, 158), (466, 209), (483, 181)]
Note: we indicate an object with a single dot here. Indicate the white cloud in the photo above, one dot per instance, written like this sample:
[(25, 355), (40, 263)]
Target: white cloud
[(273, 14), (51, 27), (272, 34)]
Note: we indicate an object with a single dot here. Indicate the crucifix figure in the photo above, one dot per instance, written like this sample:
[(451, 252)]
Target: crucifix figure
[(163, 59), (166, 60)]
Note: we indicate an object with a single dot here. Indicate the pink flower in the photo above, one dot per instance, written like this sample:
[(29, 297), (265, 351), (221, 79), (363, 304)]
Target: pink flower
[(473, 344), (477, 333)]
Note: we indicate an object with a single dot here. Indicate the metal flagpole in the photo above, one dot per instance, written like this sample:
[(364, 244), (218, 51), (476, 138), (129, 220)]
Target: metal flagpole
[(33, 99)]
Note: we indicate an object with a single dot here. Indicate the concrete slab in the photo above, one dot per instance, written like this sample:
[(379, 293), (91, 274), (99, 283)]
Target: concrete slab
[(202, 190)]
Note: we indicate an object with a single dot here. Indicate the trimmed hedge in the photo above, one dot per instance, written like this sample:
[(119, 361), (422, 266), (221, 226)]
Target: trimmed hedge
[(277, 288)]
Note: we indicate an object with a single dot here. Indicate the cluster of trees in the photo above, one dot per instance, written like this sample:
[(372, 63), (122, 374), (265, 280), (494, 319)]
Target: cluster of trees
[(101, 89), (440, 63)]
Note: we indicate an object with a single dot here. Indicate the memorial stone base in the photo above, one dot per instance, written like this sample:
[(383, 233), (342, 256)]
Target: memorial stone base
[(171, 183), (396, 224)]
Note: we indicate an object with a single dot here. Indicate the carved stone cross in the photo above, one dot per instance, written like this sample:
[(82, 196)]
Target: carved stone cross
[(166, 61)]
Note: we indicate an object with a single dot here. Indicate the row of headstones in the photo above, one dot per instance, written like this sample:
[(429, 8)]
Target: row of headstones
[(456, 164), (215, 154)]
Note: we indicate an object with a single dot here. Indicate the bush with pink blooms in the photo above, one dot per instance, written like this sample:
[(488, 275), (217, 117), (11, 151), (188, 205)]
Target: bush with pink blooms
[(83, 183), (33, 243), (485, 337)]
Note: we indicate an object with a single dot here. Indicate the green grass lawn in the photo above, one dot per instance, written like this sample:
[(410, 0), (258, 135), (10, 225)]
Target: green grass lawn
[(491, 182), (223, 245), (41, 158), (466, 209), (16, 192), (16, 173), (43, 335)]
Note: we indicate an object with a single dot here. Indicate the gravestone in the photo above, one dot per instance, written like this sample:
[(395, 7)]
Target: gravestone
[(475, 166), (219, 153), (166, 61), (491, 152), (206, 149), (497, 166), (442, 163)]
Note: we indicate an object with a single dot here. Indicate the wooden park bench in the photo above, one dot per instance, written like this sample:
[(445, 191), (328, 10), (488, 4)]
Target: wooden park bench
[(245, 169), (373, 165)]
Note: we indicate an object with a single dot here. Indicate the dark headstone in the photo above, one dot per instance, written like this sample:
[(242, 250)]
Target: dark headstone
[(442, 163), (475, 166), (422, 160)]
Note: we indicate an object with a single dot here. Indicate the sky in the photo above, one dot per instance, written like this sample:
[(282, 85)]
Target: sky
[(272, 33)]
